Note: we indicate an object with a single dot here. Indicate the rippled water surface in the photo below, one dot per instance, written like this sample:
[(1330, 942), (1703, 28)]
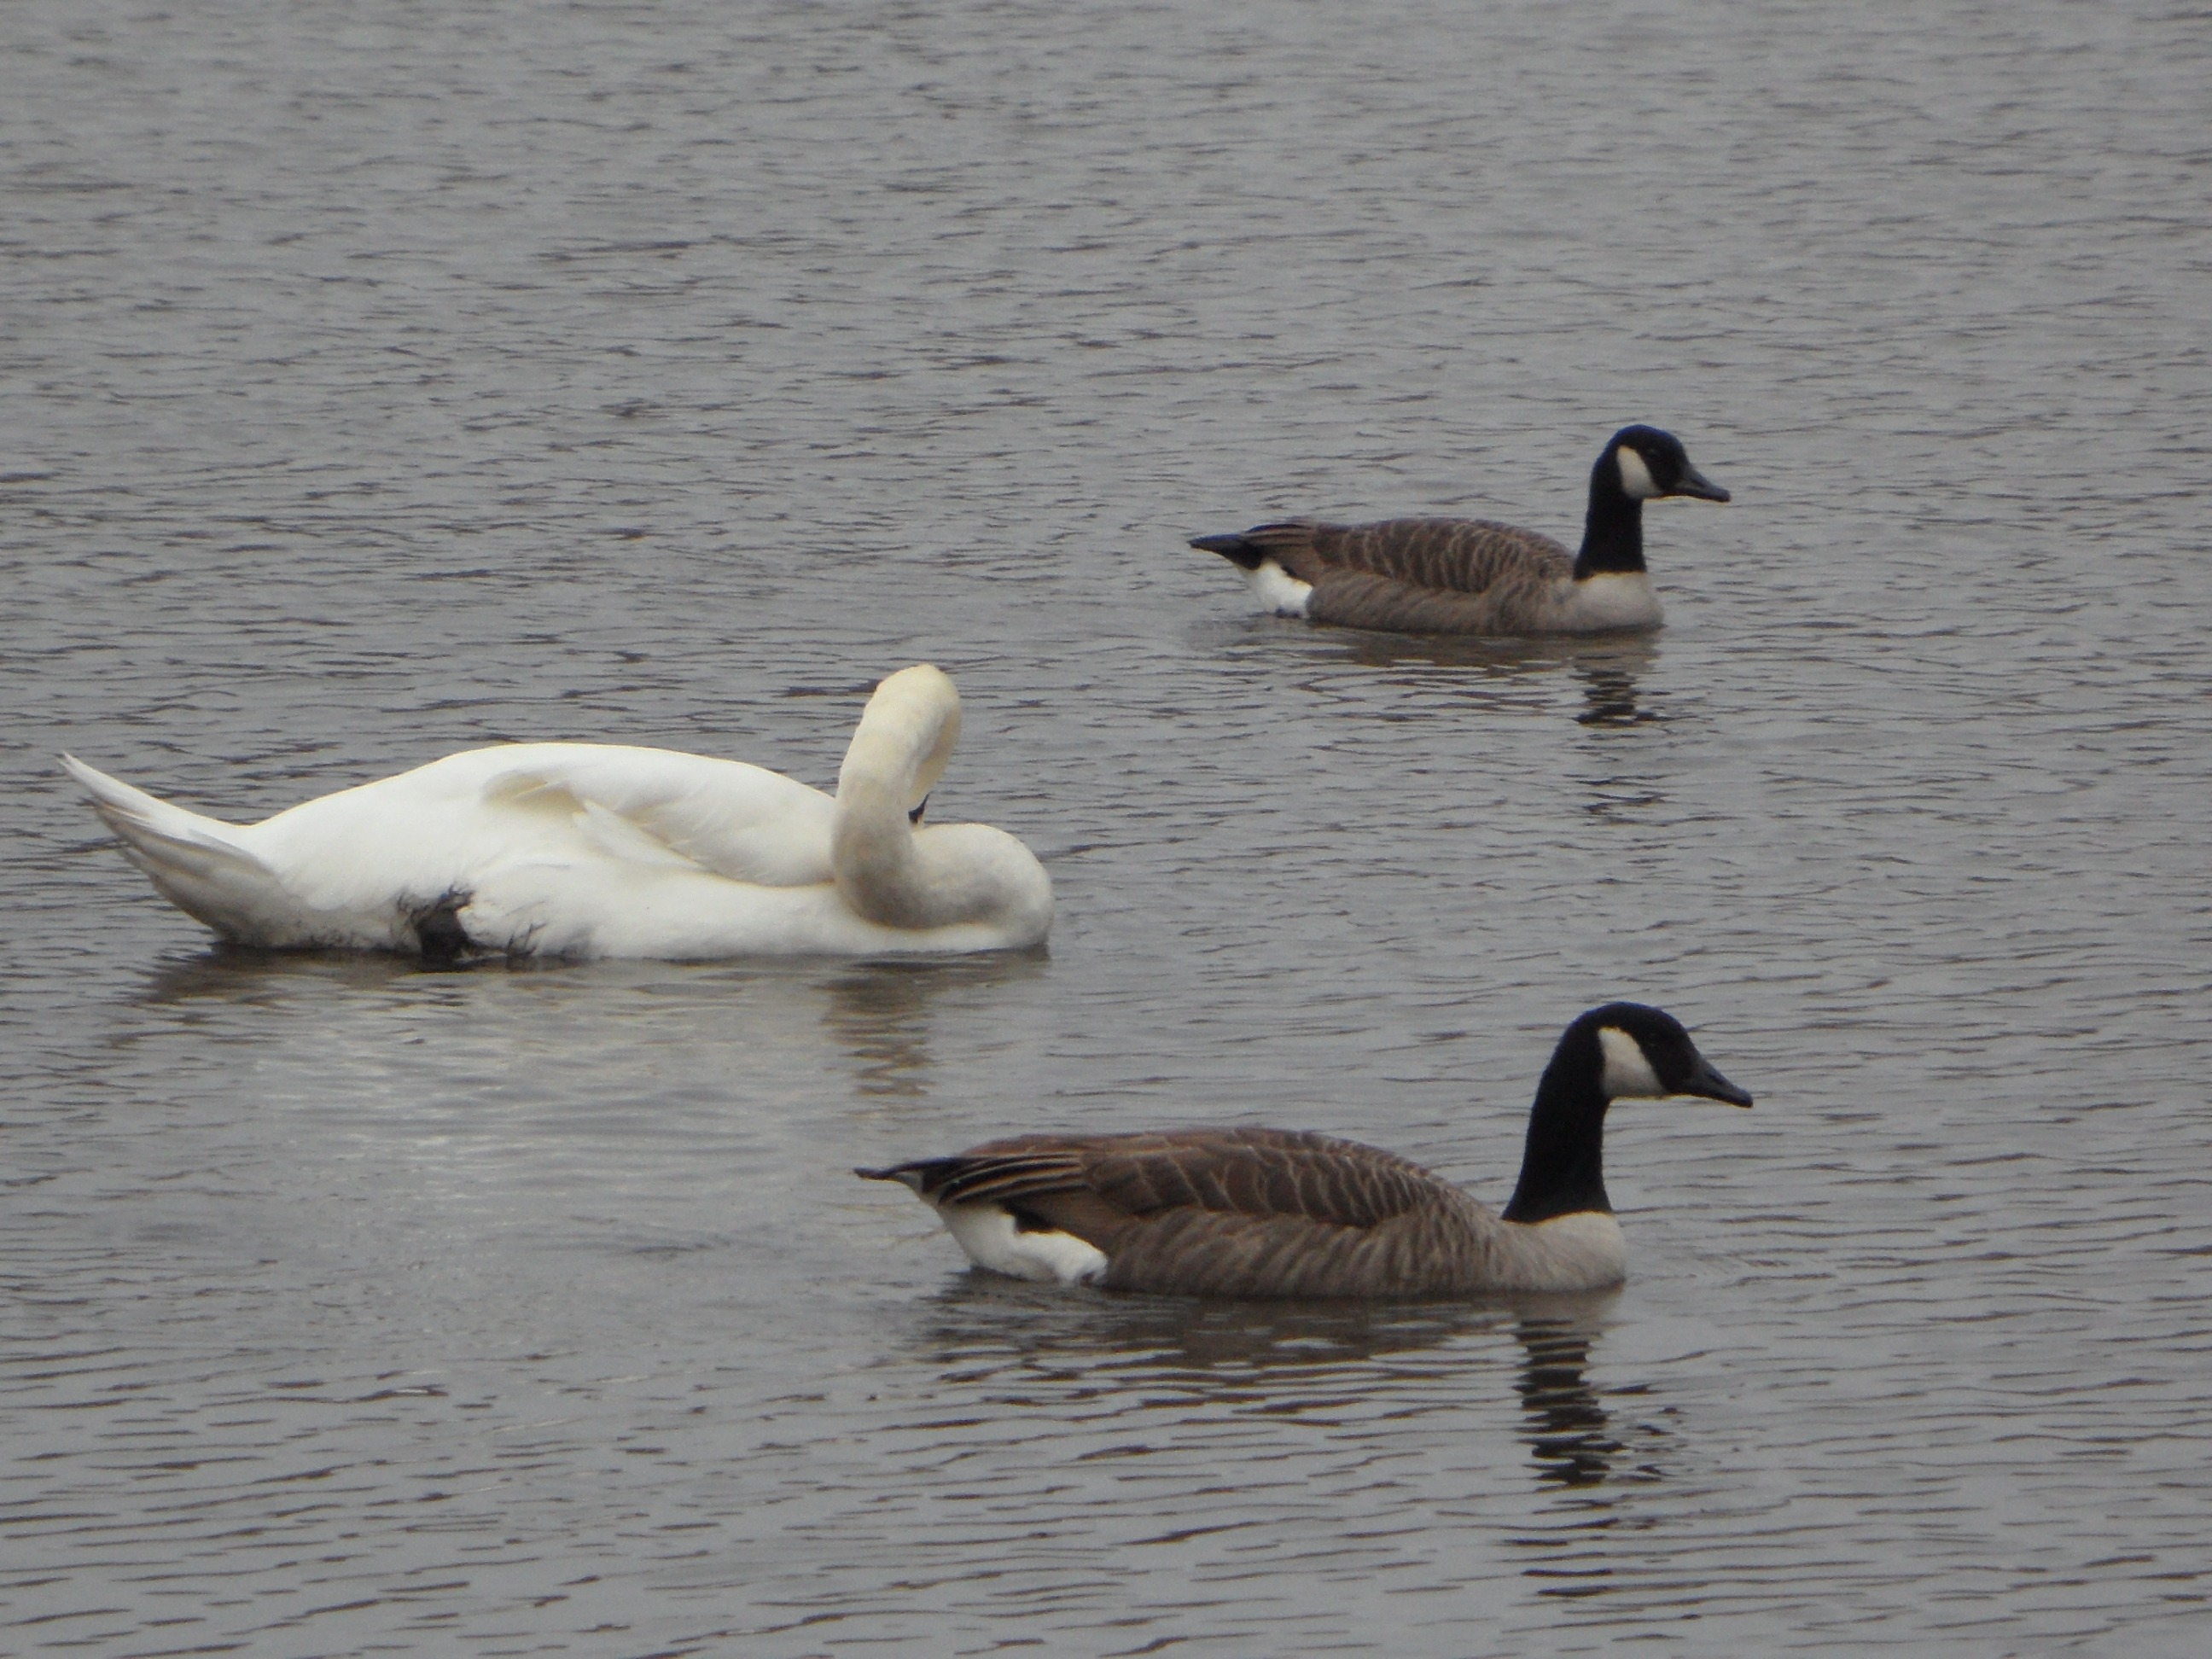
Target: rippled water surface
[(382, 380)]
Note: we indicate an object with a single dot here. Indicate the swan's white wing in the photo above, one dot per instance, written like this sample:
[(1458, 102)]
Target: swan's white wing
[(488, 817), (587, 849), (656, 806)]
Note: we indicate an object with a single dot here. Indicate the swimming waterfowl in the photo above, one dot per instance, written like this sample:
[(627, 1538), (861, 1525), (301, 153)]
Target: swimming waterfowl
[(575, 849), (1469, 575), (1279, 1212)]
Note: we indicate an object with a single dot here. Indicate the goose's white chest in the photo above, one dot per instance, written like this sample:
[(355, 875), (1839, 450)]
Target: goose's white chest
[(1584, 1251), (1619, 599)]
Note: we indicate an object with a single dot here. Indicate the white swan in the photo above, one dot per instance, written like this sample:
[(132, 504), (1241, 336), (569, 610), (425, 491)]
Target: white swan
[(578, 849)]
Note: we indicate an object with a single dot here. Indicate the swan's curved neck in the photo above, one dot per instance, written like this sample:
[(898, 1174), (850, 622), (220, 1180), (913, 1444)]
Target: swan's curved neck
[(1612, 532), (897, 753), (1563, 1165)]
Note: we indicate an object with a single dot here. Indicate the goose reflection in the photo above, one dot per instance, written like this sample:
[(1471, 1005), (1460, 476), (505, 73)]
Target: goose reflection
[(1610, 669), (1265, 1348), (1609, 696), (1293, 1359), (1569, 1432)]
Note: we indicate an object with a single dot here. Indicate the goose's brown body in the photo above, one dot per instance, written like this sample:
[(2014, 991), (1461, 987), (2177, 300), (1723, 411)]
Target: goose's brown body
[(1424, 575), (1282, 1213), (1240, 1212)]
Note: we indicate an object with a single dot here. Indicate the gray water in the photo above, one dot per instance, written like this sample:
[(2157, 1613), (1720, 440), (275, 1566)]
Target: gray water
[(377, 380)]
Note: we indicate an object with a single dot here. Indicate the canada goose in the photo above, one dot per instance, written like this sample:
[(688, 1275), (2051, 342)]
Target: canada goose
[(576, 849), (1471, 576), (1280, 1212)]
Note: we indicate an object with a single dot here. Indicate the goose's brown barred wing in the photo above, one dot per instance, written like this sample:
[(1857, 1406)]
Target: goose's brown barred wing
[(1436, 1248), (1244, 1171), (1227, 1212), (1258, 1172), (1454, 555), (1357, 598), (1459, 556), (1418, 575)]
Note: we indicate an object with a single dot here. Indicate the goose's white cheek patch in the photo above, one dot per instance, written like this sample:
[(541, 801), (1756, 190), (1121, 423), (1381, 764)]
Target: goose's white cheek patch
[(1628, 1075), (991, 1240), (1635, 477)]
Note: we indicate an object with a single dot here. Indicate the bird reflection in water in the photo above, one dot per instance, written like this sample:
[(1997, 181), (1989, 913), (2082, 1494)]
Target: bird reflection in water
[(879, 1013), (1522, 675), (1610, 668), (1297, 1359), (1609, 696), (1570, 1433), (234, 974)]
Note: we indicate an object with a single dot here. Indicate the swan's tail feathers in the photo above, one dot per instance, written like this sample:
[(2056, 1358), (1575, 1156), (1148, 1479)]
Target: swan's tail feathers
[(194, 862)]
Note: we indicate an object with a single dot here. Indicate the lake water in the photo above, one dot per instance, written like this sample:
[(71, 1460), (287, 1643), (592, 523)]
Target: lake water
[(384, 379)]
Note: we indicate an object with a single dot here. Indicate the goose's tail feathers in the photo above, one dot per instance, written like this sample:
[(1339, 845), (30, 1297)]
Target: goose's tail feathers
[(1236, 549), (197, 863)]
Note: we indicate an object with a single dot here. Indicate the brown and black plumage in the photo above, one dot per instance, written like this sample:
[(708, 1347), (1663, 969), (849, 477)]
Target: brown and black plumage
[(1276, 1213), (1436, 575)]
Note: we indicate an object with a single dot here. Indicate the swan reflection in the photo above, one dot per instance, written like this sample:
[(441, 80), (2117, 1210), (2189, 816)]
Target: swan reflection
[(238, 975), (878, 1013)]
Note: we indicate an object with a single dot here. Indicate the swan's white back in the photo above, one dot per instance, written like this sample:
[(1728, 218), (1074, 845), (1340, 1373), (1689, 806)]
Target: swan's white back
[(587, 849)]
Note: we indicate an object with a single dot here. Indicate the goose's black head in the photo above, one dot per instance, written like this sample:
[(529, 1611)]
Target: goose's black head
[(1638, 464), (1621, 1050), (1641, 1052), (1647, 463)]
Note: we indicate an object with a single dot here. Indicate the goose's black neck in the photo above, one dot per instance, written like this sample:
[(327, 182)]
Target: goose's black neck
[(1563, 1167), (1613, 534)]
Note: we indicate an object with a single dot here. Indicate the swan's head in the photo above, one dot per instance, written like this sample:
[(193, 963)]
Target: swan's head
[(1643, 1053), (1648, 464), (897, 874), (906, 735)]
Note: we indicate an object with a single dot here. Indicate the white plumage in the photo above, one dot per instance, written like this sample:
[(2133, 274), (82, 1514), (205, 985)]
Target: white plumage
[(576, 849)]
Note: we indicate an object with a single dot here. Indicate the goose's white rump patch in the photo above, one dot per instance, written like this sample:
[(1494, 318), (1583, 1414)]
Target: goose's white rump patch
[(989, 1236), (1277, 591)]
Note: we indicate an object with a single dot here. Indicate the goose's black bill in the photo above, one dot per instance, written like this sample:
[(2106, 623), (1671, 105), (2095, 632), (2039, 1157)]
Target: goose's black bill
[(1234, 547), (1706, 1081), (1694, 483)]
